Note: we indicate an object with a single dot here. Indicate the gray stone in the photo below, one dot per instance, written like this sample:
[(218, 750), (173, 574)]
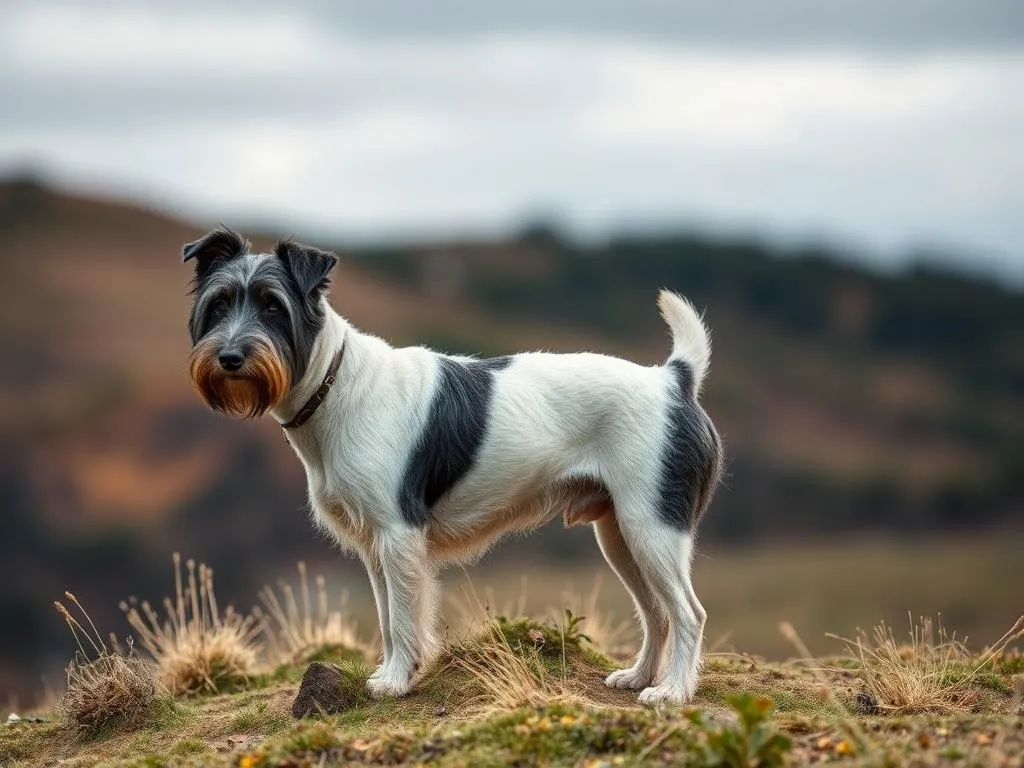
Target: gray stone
[(327, 689)]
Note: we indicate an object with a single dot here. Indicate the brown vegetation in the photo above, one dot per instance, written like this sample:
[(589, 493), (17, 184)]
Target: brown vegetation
[(293, 629), (105, 687), (195, 646)]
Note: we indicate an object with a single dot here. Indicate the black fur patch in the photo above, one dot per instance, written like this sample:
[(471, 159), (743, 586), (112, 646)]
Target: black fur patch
[(452, 436), (219, 245), (691, 462)]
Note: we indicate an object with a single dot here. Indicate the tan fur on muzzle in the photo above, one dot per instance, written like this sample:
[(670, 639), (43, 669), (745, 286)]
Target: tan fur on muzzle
[(259, 385)]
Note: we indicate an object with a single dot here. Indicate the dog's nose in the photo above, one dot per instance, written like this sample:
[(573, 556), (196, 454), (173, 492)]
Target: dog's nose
[(231, 359)]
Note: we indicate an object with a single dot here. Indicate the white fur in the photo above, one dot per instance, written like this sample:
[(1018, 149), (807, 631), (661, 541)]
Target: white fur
[(553, 419), (690, 338)]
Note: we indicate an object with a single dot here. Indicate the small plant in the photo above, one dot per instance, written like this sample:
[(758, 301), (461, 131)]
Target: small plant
[(933, 672), (606, 633), (294, 631), (106, 689), (195, 647), (751, 743)]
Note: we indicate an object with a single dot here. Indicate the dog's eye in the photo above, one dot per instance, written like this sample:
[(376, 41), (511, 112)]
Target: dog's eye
[(220, 307), (271, 306)]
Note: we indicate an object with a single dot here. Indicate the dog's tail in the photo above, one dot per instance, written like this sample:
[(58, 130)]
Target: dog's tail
[(691, 342)]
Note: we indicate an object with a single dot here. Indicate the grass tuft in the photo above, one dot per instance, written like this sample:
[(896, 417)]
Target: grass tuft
[(106, 689), (195, 646), (294, 631), (932, 672), (516, 663)]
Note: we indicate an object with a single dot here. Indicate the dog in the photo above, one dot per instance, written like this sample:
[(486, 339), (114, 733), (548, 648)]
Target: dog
[(415, 459)]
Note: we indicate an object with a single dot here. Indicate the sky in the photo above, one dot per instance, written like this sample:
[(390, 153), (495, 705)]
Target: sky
[(886, 129)]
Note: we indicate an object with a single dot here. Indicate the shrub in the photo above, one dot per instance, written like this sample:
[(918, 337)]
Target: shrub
[(933, 672), (105, 688), (195, 647), (294, 631)]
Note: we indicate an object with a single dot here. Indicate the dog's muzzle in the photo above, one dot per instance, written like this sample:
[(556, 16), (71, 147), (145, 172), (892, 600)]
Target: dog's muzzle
[(243, 384)]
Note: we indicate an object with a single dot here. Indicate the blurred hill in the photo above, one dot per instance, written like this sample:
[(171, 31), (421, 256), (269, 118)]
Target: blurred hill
[(848, 400)]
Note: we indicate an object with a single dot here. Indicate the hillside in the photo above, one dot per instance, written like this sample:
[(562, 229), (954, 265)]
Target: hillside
[(847, 399), (519, 692)]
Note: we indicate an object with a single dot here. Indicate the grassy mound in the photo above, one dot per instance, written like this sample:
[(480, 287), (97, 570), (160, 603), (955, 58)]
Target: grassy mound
[(526, 692)]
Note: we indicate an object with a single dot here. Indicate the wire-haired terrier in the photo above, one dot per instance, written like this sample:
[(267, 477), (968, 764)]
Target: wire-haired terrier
[(416, 459)]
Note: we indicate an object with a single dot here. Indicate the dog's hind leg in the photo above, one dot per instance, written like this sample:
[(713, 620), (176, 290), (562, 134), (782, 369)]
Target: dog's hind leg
[(410, 584), (662, 552), (652, 618)]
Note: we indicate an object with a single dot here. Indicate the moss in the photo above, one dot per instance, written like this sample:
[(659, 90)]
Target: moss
[(310, 736), (994, 682), (552, 735), (336, 654), (1010, 665), (165, 714), (192, 746), (330, 654), (258, 719), (17, 743)]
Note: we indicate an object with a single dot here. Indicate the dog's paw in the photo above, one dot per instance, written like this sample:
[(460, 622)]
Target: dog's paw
[(389, 680), (631, 679), (665, 694)]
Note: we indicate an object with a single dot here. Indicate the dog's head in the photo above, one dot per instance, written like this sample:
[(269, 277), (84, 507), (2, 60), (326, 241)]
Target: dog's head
[(254, 319)]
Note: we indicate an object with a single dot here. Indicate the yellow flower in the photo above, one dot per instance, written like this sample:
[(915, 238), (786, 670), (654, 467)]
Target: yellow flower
[(845, 748), (567, 720), (544, 725), (248, 761)]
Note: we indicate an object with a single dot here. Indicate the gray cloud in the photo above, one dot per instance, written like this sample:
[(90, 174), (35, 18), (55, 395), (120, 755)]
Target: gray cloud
[(880, 25), (898, 129)]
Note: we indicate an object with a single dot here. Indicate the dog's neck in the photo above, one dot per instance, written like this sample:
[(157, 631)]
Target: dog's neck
[(335, 333)]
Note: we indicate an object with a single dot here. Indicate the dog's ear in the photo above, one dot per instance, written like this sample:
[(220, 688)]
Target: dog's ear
[(309, 266), (219, 245)]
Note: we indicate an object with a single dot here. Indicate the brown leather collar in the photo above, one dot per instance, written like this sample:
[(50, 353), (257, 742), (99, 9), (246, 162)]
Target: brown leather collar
[(306, 411)]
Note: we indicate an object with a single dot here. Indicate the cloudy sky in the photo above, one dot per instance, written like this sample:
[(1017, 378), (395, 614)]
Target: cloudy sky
[(885, 127)]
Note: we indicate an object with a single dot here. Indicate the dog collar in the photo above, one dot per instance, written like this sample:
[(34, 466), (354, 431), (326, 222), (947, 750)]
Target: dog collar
[(317, 397)]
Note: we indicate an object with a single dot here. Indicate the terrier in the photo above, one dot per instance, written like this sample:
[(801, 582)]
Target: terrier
[(416, 459)]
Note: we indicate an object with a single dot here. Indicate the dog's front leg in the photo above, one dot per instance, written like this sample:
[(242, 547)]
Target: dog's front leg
[(410, 584), (380, 597)]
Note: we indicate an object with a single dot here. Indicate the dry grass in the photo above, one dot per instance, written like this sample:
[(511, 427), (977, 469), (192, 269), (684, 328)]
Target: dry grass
[(293, 629), (506, 671), (195, 646), (506, 675), (105, 688), (932, 672)]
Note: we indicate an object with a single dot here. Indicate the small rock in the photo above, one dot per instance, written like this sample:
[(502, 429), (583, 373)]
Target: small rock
[(867, 704), (441, 711), (13, 718), (327, 689)]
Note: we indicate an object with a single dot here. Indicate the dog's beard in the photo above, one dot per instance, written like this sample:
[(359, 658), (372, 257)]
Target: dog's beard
[(259, 385)]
